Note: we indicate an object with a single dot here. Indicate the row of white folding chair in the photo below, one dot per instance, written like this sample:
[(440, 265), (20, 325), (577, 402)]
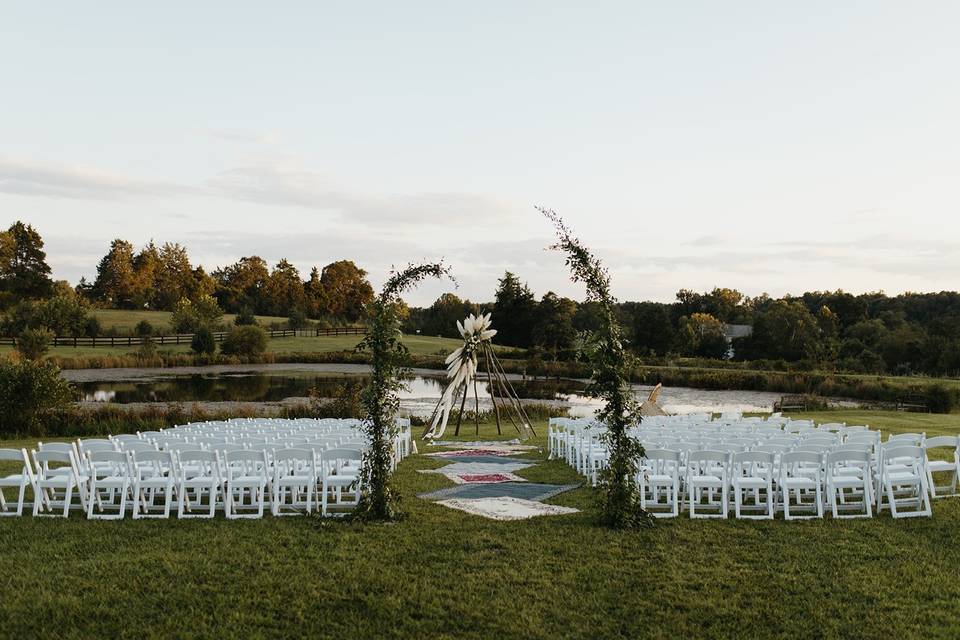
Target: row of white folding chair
[(801, 481), (117, 473)]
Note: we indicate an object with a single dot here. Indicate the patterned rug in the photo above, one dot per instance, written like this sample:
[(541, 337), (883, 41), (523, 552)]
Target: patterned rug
[(485, 483), (505, 508)]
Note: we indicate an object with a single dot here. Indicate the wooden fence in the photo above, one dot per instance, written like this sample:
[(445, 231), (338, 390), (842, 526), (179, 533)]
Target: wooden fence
[(186, 338)]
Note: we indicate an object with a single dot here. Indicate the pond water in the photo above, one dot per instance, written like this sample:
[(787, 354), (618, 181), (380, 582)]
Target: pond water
[(274, 384)]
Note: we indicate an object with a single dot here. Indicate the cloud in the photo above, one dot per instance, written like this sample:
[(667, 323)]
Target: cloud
[(266, 184), (273, 184), (21, 177)]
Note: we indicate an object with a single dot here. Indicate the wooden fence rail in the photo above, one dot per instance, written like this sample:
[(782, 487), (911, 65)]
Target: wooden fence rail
[(186, 338)]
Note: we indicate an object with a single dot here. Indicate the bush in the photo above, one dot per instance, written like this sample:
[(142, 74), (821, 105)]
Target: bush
[(92, 327), (245, 341), (940, 399), (245, 318), (298, 319), (189, 315), (203, 342), (147, 350), (144, 329), (29, 391), (33, 344)]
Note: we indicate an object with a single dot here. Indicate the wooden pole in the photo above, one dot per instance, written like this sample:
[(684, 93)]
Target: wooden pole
[(514, 397), (493, 389), (463, 403), (476, 398)]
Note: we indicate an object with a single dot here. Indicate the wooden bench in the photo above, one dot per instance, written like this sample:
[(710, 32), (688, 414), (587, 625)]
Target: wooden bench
[(791, 403), (913, 403)]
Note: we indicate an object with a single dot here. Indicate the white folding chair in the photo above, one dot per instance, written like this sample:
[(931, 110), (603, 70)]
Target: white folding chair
[(801, 473), (19, 481), (294, 474), (903, 481), (246, 472), (660, 476), (708, 471), (753, 472), (341, 471), (51, 481), (849, 476), (109, 473), (951, 465), (198, 471), (153, 474)]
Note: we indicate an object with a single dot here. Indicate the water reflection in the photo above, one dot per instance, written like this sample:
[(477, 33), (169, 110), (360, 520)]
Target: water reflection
[(418, 399)]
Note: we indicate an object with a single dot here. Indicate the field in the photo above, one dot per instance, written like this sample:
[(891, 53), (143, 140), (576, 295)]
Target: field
[(442, 573), (418, 345)]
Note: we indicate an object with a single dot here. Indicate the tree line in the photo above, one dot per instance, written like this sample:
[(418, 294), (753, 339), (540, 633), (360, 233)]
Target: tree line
[(869, 333), (163, 278)]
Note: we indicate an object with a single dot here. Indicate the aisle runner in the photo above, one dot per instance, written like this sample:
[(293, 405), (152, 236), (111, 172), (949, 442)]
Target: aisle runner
[(487, 486)]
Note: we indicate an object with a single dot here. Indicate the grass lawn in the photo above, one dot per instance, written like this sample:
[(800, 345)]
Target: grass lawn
[(418, 345), (442, 573)]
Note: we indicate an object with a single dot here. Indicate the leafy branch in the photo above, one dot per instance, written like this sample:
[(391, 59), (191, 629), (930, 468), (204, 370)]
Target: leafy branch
[(611, 364), (388, 355)]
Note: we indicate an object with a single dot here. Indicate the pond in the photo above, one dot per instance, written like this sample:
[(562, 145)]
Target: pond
[(275, 383)]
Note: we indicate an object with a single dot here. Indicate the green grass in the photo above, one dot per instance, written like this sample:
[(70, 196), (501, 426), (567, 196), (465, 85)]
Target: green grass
[(444, 574), (126, 320), (418, 345)]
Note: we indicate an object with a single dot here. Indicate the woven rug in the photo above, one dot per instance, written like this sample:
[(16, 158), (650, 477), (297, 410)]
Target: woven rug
[(505, 508), (520, 490)]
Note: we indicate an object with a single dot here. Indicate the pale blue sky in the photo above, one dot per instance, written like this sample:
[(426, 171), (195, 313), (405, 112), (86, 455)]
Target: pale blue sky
[(766, 146)]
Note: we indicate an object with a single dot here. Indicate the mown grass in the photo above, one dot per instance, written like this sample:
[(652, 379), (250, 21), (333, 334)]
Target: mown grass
[(127, 319), (418, 345), (445, 574)]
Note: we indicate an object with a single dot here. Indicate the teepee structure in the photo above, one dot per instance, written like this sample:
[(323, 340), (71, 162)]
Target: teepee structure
[(476, 358)]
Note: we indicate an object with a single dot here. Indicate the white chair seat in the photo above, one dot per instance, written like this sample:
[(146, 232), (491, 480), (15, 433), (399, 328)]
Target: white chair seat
[(752, 482), (800, 483)]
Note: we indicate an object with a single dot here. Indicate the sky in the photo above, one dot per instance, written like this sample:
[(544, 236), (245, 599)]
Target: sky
[(766, 146)]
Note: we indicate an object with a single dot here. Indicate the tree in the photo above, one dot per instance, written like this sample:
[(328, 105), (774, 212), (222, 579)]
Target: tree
[(653, 330), (380, 400), (189, 316), (702, 335), (116, 282), (285, 290), (786, 331), (242, 284), (61, 315), (346, 290), (246, 340), (24, 272), (28, 392), (441, 318), (514, 310), (553, 329), (203, 342), (245, 317), (175, 278), (620, 504), (33, 344)]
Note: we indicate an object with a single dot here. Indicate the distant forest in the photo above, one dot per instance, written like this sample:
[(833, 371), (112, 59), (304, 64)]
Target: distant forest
[(911, 333)]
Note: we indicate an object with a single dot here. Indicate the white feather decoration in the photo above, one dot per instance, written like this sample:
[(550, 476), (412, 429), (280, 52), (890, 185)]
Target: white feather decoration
[(461, 367)]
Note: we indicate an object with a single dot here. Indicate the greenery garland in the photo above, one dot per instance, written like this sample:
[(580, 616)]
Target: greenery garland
[(388, 355), (611, 365)]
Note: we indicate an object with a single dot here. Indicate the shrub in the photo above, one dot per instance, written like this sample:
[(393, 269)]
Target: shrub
[(147, 350), (203, 342), (143, 329), (33, 344), (245, 340), (191, 315), (245, 318), (940, 399), (298, 319), (92, 327), (29, 391)]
